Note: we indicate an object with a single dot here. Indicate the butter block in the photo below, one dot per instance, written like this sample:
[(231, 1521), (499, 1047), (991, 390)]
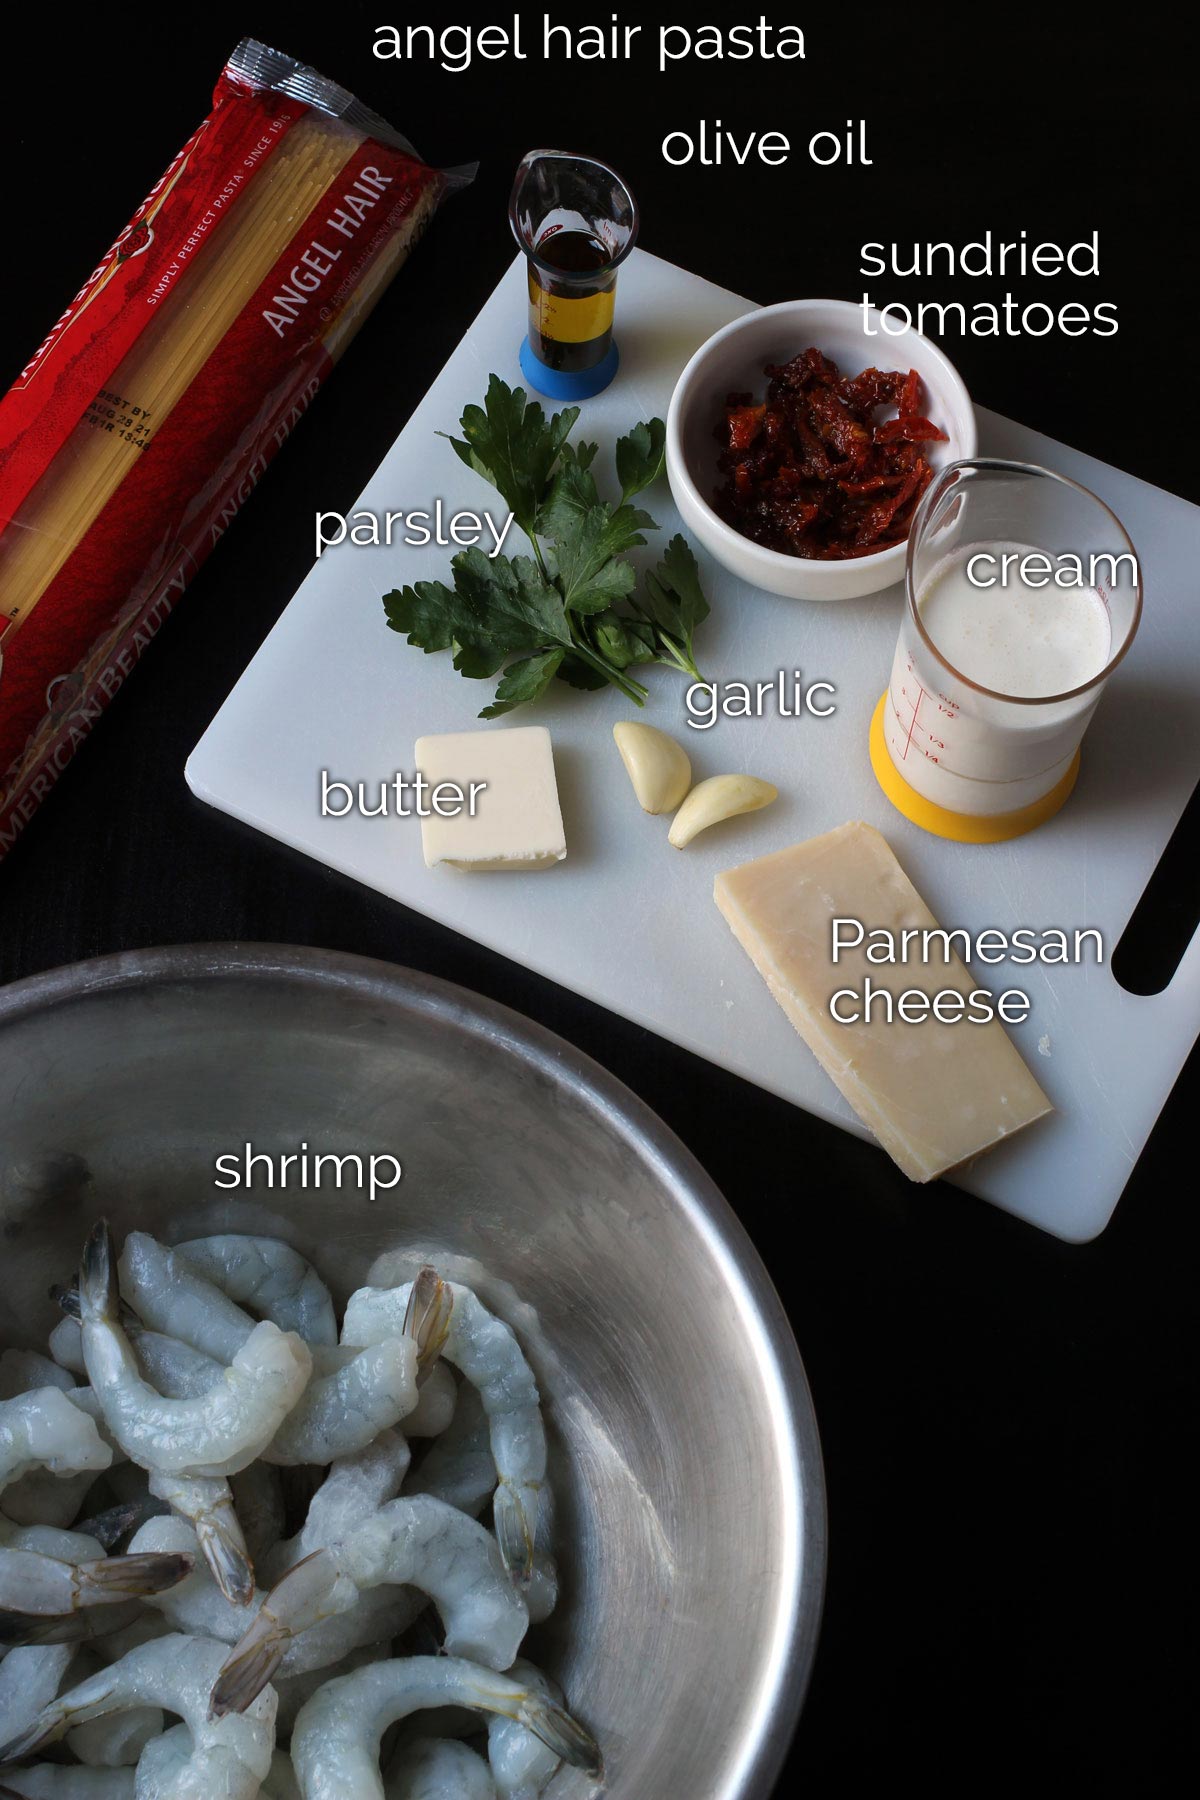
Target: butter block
[(517, 822), (934, 1094)]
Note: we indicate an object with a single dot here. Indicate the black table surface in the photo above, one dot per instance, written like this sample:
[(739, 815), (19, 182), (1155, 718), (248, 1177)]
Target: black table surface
[(1006, 1419)]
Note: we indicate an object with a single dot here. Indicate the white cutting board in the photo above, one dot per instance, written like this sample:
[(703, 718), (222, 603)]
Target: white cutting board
[(630, 922)]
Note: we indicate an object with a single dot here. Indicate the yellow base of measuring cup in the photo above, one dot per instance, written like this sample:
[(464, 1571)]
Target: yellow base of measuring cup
[(963, 828)]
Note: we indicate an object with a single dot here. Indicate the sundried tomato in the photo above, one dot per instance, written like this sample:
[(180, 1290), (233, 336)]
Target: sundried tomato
[(810, 471), (745, 423), (908, 425)]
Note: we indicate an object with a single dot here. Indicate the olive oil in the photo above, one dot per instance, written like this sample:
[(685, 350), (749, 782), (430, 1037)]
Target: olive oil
[(572, 285)]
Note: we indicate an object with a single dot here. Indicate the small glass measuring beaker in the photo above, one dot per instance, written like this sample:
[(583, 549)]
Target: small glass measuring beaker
[(577, 222), (1022, 594)]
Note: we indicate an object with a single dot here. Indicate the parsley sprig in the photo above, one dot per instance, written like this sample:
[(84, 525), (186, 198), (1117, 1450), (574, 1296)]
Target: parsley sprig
[(575, 609)]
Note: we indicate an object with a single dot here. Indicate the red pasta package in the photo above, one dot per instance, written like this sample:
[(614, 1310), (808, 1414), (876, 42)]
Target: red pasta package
[(131, 438)]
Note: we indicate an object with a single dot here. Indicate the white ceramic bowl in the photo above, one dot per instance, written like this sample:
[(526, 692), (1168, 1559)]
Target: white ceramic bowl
[(732, 361)]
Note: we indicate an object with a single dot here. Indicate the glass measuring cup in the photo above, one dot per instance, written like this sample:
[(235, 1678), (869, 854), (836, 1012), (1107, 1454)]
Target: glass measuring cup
[(986, 755), (577, 222)]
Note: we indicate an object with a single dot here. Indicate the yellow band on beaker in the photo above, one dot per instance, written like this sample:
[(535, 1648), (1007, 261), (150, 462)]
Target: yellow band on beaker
[(963, 828), (570, 321)]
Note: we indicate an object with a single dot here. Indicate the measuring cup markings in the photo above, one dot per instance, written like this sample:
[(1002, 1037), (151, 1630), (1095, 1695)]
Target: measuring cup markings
[(947, 710)]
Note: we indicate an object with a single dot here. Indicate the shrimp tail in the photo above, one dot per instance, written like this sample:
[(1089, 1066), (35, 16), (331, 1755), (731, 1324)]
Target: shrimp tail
[(52, 1723), (25, 1744), (228, 1560), (247, 1669), (65, 1296), (514, 1533), (99, 1295), (427, 1316), (561, 1733), (109, 1578), (293, 1604), (20, 1628), (120, 1521)]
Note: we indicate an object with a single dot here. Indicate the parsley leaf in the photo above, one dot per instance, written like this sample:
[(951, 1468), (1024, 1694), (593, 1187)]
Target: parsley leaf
[(525, 680), (623, 641), (503, 604), (674, 602), (641, 457), (510, 443), (555, 614), (583, 556), (579, 674)]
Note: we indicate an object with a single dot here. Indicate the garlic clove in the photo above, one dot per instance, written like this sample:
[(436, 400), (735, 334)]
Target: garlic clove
[(720, 797), (657, 766)]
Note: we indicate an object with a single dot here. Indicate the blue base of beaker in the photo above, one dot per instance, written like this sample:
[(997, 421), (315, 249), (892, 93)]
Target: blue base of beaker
[(558, 384)]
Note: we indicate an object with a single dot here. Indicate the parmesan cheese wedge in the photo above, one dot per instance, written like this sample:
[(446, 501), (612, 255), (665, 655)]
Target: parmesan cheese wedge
[(934, 1094)]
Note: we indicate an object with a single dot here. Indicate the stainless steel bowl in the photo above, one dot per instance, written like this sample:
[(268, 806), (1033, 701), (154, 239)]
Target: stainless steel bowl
[(685, 1453)]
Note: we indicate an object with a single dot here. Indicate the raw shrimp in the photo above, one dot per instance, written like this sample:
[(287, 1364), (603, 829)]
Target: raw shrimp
[(122, 1520), (66, 1346), (258, 1502), (179, 1372), (486, 1351), (295, 1691), (169, 1364), (439, 1769), (170, 1296), (40, 1496), (382, 1613), (21, 1370), (42, 1429), (67, 1781), (522, 1763), (163, 1760), (541, 1596), (29, 1679), (173, 1367), (37, 1580), (197, 1606), (49, 1572), (216, 1434), (269, 1277), (228, 1757), (437, 1397), (355, 1487), (353, 1396), (207, 1504), (335, 1746), (420, 1543), (117, 1740), (459, 1469), (124, 1635), (90, 1624), (281, 1783)]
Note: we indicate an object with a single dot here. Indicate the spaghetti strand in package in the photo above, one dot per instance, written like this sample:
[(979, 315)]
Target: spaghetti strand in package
[(130, 440)]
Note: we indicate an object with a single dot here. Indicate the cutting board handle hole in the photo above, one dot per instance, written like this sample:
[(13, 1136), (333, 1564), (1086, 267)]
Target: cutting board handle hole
[(1162, 923)]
